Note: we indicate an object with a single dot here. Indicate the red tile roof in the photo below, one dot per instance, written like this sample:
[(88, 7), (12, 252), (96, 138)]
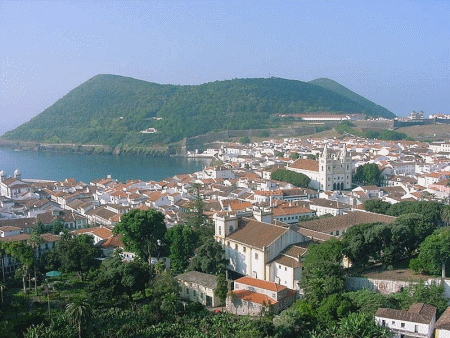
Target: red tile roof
[(271, 286)]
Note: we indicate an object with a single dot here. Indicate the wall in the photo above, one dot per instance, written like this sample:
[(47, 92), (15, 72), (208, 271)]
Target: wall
[(198, 142), (388, 286)]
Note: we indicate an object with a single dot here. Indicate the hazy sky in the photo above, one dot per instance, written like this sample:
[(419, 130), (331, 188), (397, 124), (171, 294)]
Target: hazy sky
[(395, 53)]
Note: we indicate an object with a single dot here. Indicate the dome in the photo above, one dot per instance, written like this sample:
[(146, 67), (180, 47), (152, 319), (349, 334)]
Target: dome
[(2, 173), (17, 173)]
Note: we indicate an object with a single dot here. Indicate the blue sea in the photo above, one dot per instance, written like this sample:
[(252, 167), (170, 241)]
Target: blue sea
[(85, 167)]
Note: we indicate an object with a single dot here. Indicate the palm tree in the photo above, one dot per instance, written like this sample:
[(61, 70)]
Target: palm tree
[(78, 313), (35, 242), (2, 288)]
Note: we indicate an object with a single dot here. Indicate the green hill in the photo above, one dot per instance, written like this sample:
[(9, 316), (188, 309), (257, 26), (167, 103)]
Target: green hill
[(371, 108), (112, 110)]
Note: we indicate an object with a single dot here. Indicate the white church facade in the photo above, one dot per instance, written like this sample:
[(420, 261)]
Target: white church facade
[(333, 171)]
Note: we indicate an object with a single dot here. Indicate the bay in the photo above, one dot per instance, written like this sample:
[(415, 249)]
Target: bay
[(85, 167)]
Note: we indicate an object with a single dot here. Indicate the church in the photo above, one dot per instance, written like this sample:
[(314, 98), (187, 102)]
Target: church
[(333, 171)]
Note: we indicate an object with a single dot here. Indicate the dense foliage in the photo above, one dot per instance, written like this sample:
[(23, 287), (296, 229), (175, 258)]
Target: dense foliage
[(112, 110), (142, 232), (368, 173), (371, 109), (297, 179)]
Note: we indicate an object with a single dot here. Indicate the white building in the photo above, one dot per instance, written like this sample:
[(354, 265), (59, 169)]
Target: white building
[(252, 296), (331, 172), (200, 287), (251, 244), (418, 321)]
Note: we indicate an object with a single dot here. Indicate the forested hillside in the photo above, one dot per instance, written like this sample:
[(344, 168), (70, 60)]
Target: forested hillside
[(371, 108), (112, 110)]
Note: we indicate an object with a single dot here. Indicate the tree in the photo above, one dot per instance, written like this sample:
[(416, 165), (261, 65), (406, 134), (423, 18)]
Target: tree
[(245, 140), (322, 274), (378, 206), (295, 156), (368, 173), (142, 232), (77, 254), (35, 242), (221, 290), (182, 243), (78, 313), (434, 252), (297, 179), (356, 245), (24, 254), (210, 258)]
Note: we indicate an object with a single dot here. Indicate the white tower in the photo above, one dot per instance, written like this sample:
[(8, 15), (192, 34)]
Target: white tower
[(17, 175)]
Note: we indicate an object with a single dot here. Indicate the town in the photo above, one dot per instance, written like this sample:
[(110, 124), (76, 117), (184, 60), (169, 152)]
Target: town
[(266, 203)]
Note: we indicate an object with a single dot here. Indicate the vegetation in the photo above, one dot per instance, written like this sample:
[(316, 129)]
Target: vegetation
[(297, 179), (371, 109), (113, 110), (368, 173), (142, 232)]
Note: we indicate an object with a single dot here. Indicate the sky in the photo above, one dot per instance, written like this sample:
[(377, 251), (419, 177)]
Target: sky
[(395, 53)]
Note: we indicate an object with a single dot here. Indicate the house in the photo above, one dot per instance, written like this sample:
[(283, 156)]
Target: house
[(442, 325), (250, 243), (251, 296), (13, 187), (199, 286), (323, 206), (291, 213), (418, 321)]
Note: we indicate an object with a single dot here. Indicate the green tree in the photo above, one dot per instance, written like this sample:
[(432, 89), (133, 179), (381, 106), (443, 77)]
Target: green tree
[(297, 179), (210, 258), (221, 290), (245, 140), (377, 206), (322, 274), (77, 254), (35, 242), (142, 232), (368, 173), (78, 313), (182, 243), (24, 254), (434, 252), (358, 246)]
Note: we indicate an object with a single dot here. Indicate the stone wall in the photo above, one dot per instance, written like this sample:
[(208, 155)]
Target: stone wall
[(201, 141), (389, 286)]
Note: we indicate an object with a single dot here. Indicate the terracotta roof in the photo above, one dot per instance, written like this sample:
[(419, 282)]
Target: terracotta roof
[(19, 222), (112, 242), (254, 297), (255, 233), (16, 238), (418, 313), (443, 323), (305, 164), (345, 221), (285, 210), (271, 286)]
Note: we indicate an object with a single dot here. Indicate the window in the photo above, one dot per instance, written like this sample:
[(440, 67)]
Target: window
[(228, 243), (279, 266), (285, 268), (383, 322), (393, 322), (402, 324), (244, 248), (220, 230), (256, 255), (231, 228), (416, 328), (236, 246)]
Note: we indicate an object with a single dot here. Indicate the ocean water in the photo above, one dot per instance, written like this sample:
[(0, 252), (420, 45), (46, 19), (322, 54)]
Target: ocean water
[(85, 168)]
